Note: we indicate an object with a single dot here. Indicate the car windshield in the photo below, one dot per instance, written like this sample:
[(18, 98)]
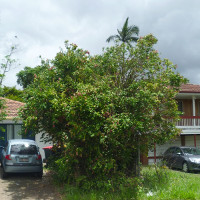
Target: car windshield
[(24, 149), (192, 151)]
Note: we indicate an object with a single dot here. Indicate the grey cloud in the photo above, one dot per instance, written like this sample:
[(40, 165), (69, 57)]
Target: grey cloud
[(43, 26)]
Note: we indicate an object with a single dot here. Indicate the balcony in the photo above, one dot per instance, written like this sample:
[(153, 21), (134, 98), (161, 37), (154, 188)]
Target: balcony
[(189, 124)]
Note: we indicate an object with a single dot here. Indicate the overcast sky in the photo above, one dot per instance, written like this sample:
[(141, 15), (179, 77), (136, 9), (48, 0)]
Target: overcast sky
[(42, 26)]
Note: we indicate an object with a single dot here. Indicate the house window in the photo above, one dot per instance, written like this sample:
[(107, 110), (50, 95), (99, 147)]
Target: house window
[(10, 134), (180, 106), (13, 131)]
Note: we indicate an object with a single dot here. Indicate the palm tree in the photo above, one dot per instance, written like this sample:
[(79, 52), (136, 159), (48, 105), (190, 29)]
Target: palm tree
[(126, 34)]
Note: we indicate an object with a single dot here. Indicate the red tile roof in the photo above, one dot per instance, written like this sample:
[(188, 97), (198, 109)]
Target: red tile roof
[(12, 108), (190, 88)]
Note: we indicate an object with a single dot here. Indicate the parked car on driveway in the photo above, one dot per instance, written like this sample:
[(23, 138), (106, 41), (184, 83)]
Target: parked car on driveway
[(184, 158), (21, 156)]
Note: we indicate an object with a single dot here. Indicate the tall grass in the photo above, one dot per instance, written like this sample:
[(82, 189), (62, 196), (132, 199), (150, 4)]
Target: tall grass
[(123, 189), (155, 183), (165, 184)]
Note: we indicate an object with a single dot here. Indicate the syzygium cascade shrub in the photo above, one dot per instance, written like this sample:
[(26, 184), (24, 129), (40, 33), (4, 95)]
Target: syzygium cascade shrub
[(100, 110)]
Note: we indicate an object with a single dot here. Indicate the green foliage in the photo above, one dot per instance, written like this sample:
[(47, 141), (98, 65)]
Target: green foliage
[(99, 110), (12, 93), (3, 112), (154, 177), (123, 188), (25, 77)]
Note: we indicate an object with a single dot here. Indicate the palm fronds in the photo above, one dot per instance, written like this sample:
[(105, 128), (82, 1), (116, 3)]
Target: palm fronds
[(125, 34)]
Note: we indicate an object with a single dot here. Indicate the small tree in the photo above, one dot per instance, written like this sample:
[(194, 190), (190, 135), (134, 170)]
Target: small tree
[(100, 109), (6, 63), (26, 77), (5, 66)]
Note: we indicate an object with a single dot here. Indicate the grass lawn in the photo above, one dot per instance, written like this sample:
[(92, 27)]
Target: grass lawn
[(169, 184), (154, 184)]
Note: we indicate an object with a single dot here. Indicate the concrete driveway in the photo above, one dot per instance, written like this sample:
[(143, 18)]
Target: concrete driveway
[(27, 187)]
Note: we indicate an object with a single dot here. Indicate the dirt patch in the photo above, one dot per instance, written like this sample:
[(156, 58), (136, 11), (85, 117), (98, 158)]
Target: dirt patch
[(28, 187)]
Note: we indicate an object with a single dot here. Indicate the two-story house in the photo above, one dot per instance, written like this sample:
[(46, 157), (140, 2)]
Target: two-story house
[(188, 100)]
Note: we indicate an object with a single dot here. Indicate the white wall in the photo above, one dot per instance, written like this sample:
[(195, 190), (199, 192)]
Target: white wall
[(189, 140)]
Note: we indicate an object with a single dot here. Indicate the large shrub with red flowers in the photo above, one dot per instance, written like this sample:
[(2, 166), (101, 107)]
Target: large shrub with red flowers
[(99, 110)]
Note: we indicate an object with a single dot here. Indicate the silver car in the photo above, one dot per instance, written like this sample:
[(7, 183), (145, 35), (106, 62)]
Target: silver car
[(21, 156)]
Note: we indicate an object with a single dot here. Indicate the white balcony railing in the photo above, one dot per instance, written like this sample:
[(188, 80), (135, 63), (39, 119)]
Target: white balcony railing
[(189, 121)]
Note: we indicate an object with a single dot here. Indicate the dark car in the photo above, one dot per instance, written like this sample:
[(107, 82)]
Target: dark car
[(184, 158), (21, 156)]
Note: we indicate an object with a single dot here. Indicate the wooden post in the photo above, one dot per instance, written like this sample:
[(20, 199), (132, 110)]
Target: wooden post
[(182, 140), (194, 110)]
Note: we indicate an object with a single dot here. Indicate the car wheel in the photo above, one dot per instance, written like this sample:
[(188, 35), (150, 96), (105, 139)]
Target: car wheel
[(4, 174), (185, 167)]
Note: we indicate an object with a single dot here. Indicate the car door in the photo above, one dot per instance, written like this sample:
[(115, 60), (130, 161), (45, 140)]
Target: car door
[(171, 159), (178, 158), (168, 156)]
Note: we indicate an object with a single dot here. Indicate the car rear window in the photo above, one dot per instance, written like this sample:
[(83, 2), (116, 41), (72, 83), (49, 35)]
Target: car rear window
[(24, 149)]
